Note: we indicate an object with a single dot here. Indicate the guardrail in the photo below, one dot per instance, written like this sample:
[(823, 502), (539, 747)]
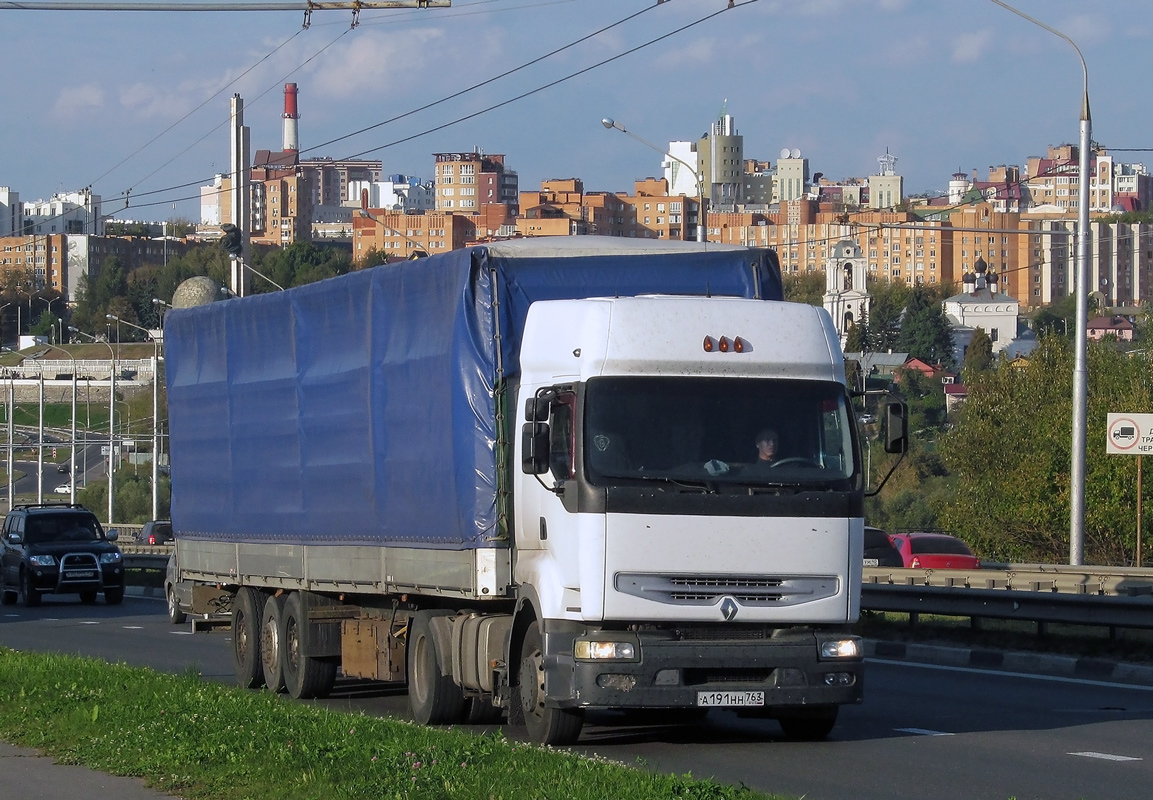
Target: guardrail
[(1114, 597), (145, 556)]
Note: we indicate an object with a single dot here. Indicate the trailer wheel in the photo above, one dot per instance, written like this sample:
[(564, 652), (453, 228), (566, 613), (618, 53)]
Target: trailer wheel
[(808, 725), (435, 698), (272, 644), (246, 611), (546, 725), (305, 677)]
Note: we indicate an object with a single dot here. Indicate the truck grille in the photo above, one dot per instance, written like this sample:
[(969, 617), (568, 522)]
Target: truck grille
[(747, 590)]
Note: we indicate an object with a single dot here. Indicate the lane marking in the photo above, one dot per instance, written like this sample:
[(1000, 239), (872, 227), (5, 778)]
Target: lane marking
[(133, 627), (922, 732), (1005, 673), (89, 622), (1106, 756), (181, 633)]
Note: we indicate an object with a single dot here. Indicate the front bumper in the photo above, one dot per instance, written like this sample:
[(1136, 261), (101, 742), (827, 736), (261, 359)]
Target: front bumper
[(670, 672), (74, 577)]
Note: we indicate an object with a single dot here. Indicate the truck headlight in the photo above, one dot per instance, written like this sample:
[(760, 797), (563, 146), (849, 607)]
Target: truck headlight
[(596, 650), (42, 561), (841, 648), (110, 558)]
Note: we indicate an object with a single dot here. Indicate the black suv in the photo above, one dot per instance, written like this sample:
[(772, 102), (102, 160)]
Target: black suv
[(58, 548)]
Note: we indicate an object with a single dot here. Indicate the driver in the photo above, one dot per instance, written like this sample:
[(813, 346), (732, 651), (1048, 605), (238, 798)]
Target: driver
[(768, 445)]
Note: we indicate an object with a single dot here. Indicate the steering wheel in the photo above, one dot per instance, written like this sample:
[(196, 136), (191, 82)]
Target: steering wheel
[(808, 462)]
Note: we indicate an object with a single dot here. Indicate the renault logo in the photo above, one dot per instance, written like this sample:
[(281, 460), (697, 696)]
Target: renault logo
[(729, 609)]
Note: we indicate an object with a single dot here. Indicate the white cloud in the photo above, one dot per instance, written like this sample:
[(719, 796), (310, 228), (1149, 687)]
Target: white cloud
[(75, 103), (969, 47), (378, 62), (147, 102)]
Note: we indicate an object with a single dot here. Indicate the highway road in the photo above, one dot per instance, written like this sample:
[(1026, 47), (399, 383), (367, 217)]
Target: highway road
[(922, 732)]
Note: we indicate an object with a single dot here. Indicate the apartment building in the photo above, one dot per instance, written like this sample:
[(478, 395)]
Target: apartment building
[(330, 181), (68, 212), (466, 181), (720, 163), (400, 235), (984, 232), (10, 219), (34, 262), (563, 208), (1054, 179)]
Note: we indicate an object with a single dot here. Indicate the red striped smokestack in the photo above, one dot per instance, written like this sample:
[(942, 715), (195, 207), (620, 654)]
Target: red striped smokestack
[(291, 133)]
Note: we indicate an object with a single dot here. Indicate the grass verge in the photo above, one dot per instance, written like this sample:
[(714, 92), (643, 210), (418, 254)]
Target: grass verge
[(203, 740)]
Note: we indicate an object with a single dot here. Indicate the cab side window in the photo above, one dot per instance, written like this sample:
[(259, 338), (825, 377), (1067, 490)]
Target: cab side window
[(562, 434)]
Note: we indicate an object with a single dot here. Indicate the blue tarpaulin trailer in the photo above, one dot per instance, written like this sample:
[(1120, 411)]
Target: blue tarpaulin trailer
[(363, 410)]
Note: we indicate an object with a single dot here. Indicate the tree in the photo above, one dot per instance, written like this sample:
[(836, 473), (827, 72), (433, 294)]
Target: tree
[(978, 356), (925, 330), (1010, 452), (805, 287), (887, 303)]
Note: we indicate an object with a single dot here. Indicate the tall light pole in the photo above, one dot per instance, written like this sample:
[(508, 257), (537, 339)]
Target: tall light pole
[(1080, 371), (72, 450), (702, 224), (111, 415), (155, 413)]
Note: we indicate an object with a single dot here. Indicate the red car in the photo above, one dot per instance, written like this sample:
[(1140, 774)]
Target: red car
[(934, 551)]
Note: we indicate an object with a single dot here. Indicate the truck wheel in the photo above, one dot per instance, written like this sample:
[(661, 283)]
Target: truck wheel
[(88, 597), (29, 597), (481, 711), (809, 725), (304, 677), (435, 698), (272, 644), (555, 726), (114, 597), (246, 611), (175, 615)]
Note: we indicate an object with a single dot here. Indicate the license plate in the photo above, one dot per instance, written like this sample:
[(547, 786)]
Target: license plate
[(730, 698), (872, 562), (82, 574)]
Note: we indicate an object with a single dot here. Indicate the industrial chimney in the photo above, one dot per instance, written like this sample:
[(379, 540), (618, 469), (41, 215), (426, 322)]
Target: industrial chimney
[(291, 115)]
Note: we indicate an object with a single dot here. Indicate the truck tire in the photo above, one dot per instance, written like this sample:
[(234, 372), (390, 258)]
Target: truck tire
[(247, 608), (435, 698), (272, 643), (175, 615), (808, 725), (553, 726), (29, 597), (481, 711), (305, 677)]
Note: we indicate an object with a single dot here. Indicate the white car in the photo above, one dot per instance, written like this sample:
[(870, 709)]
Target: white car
[(64, 488)]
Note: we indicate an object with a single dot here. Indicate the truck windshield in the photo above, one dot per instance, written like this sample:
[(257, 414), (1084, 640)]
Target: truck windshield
[(709, 430)]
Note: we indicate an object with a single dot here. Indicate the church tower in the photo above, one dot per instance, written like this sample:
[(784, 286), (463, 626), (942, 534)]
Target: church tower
[(845, 297)]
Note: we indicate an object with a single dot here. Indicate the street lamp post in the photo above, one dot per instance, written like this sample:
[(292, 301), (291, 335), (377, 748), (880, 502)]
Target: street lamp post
[(72, 449), (1080, 371), (155, 413), (111, 415), (702, 224)]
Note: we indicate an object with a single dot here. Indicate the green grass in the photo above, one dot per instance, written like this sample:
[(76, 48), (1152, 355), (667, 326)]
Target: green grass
[(203, 740)]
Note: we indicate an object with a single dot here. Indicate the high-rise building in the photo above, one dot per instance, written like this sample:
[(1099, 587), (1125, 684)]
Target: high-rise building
[(466, 181), (720, 163)]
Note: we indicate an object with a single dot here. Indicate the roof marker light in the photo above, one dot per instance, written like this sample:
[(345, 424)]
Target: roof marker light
[(724, 344), (738, 345), (709, 344)]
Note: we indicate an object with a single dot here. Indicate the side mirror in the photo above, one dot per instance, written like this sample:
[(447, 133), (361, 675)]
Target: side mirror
[(15, 538), (534, 447), (112, 534), (896, 428), (536, 409)]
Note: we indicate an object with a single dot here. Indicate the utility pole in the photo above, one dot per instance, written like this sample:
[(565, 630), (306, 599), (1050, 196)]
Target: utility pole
[(239, 195)]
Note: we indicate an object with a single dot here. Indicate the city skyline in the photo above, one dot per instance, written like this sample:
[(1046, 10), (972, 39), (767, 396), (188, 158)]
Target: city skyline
[(142, 108)]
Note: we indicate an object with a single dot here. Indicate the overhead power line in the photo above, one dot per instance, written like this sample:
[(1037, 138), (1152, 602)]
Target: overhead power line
[(224, 5)]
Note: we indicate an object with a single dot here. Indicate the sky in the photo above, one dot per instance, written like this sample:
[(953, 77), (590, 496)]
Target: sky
[(136, 104)]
